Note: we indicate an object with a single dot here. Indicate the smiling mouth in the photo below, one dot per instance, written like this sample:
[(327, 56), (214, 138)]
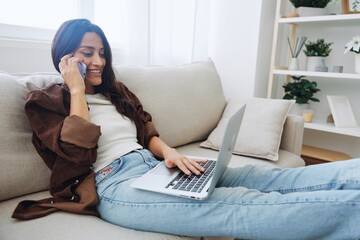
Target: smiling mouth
[(94, 71)]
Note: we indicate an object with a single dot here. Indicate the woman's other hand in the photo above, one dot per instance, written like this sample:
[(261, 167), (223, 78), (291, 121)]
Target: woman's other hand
[(188, 165)]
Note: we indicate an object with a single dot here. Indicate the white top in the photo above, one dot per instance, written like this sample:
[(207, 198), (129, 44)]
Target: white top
[(118, 133)]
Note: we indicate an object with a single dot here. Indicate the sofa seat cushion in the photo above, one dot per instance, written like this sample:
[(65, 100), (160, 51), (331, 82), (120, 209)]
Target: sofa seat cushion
[(62, 225), (286, 159)]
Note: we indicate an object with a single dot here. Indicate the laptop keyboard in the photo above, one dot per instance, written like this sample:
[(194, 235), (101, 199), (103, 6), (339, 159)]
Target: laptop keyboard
[(193, 183)]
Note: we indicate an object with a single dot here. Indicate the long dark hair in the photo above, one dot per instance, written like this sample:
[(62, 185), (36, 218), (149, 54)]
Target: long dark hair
[(67, 39)]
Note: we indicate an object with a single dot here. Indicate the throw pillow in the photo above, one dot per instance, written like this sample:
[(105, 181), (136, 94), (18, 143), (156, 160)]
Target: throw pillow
[(261, 128)]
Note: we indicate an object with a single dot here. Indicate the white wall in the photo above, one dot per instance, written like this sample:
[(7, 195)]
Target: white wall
[(240, 34), (264, 47), (24, 56), (234, 45)]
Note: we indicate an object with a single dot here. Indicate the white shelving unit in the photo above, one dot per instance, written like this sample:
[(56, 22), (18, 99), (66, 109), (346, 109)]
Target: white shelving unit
[(328, 127), (321, 22), (338, 20), (317, 74)]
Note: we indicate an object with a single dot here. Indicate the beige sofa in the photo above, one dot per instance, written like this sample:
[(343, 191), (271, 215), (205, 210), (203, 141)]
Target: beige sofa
[(186, 103)]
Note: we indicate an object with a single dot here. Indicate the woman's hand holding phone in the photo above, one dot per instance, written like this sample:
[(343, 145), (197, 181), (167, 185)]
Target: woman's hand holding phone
[(73, 71), (71, 68)]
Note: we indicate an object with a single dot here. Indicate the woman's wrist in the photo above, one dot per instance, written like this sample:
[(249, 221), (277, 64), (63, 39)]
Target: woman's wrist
[(78, 105), (168, 152), (77, 91)]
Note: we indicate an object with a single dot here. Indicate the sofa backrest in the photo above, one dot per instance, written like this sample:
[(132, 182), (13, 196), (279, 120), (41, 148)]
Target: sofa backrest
[(22, 171), (186, 103)]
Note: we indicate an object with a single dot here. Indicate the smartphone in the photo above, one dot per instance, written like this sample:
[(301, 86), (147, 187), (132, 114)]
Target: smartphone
[(82, 69)]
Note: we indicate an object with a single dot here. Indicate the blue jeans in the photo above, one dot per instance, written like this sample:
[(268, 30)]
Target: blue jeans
[(252, 202)]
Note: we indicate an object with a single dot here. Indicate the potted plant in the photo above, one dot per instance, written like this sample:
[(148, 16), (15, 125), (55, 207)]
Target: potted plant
[(302, 91), (310, 7), (316, 52), (354, 46)]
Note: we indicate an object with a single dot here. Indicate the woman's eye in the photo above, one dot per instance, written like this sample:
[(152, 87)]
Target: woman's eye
[(87, 54)]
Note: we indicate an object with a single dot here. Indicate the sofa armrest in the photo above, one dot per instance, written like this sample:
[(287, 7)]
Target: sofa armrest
[(292, 135)]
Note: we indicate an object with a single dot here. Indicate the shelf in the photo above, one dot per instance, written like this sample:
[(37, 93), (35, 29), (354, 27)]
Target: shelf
[(332, 25), (317, 74), (330, 127), (334, 20)]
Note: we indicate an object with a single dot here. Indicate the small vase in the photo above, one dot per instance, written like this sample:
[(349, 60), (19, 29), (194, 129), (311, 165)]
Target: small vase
[(357, 63), (294, 65)]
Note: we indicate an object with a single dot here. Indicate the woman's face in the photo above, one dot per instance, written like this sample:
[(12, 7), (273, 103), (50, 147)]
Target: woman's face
[(92, 50)]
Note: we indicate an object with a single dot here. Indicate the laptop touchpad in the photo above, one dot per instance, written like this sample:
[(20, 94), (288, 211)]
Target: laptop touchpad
[(161, 169)]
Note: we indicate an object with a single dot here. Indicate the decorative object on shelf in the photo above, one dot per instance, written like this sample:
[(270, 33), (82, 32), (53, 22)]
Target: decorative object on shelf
[(334, 8), (308, 115), (298, 109), (302, 91), (338, 69), (321, 67), (316, 51), (330, 119), (357, 63), (312, 62), (307, 8), (342, 111), (294, 64), (318, 48), (350, 6), (354, 46), (295, 51)]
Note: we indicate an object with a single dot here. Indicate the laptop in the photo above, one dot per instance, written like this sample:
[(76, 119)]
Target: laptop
[(172, 181)]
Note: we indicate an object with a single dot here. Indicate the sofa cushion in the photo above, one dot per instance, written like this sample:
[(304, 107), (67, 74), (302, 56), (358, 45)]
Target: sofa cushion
[(185, 101), (34, 81), (22, 170), (261, 128)]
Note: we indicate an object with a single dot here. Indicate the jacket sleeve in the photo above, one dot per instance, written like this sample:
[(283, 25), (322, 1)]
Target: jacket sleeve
[(70, 137)]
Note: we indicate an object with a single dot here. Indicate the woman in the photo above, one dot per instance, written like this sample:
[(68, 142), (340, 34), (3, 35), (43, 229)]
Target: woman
[(94, 132)]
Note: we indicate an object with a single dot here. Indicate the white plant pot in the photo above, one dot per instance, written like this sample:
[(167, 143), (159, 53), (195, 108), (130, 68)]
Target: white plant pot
[(310, 11), (316, 64), (357, 63), (297, 108)]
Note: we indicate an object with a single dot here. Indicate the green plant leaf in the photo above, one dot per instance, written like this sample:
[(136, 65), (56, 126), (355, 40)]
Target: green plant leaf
[(310, 3), (301, 90), (317, 48)]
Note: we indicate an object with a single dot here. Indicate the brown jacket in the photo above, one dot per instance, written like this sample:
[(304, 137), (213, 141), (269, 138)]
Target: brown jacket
[(68, 146)]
